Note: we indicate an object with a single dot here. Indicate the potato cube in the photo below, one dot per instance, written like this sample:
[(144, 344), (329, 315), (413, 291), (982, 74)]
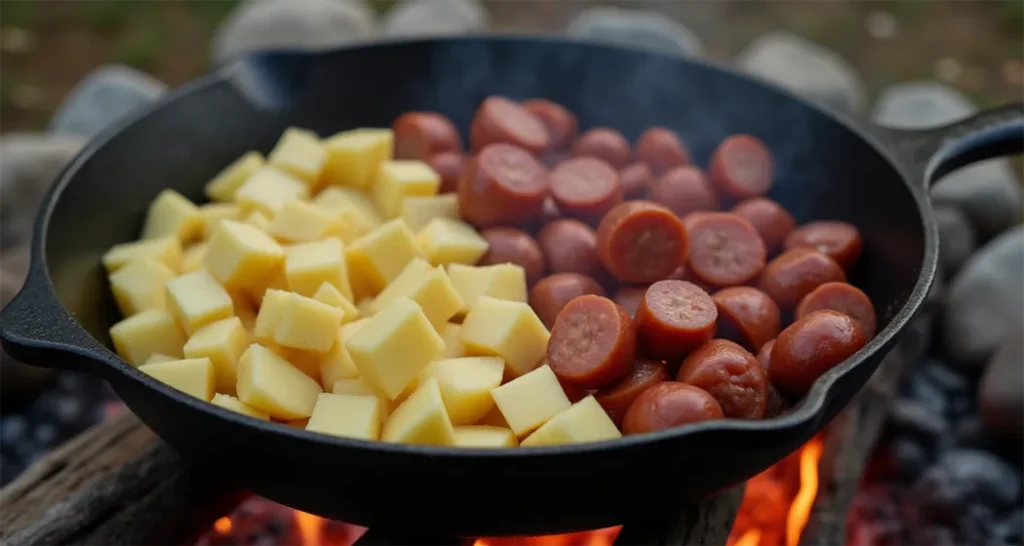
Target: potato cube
[(466, 385), (299, 153), (427, 286), (172, 215), (166, 250), (276, 280), (354, 209), (501, 281), (358, 386), (363, 306), (509, 329), (139, 286), (270, 384), (451, 333), (213, 213), (157, 357), (227, 401), (376, 258), (307, 362), (484, 436), (446, 241), (421, 419), (307, 324), (330, 295), (245, 311), (192, 258), (393, 347), (192, 376), (268, 190), (401, 178), (223, 342), (274, 302), (585, 421), (258, 220), (298, 423), (494, 418), (346, 415), (196, 299), (242, 256), (309, 265), (354, 156), (419, 210), (337, 363), (299, 222), (143, 334), (529, 401), (224, 186)]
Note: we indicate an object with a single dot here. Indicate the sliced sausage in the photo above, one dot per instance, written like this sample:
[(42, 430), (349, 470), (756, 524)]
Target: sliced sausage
[(747, 316), (742, 167), (449, 165), (636, 179), (510, 245), (615, 399), (674, 318), (669, 404), (777, 404), (502, 120), (842, 297), (661, 149), (552, 293), (730, 374), (795, 273), (641, 242), (837, 240), (684, 190), (764, 355), (770, 220), (570, 246), (604, 143), (812, 346), (629, 298), (592, 342), (559, 121), (725, 249), (502, 185), (421, 135), (585, 188), (572, 391)]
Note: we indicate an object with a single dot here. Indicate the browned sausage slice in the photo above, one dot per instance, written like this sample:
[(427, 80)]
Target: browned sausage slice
[(747, 316), (421, 135), (560, 122), (641, 242), (510, 245), (764, 356), (837, 240), (795, 273), (674, 318), (570, 246), (725, 250), (501, 120), (777, 404), (449, 165), (636, 179), (684, 190), (592, 342), (669, 404), (730, 374), (742, 168), (842, 297), (770, 220), (615, 399), (604, 143), (585, 188), (661, 149), (552, 293), (811, 346), (629, 298), (502, 185)]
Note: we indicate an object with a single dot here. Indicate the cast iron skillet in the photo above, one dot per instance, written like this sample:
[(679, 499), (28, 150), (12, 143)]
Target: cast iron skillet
[(827, 168)]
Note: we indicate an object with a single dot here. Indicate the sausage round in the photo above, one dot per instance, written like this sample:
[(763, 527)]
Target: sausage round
[(795, 273), (629, 298), (510, 245), (669, 404), (812, 346), (770, 220), (570, 246), (449, 165), (559, 121), (730, 374), (502, 120), (502, 185), (684, 190), (552, 293), (641, 242), (636, 179), (764, 355), (674, 318), (615, 399), (604, 143), (742, 167), (421, 135), (661, 149), (777, 404), (837, 240), (725, 250), (747, 316), (842, 297), (592, 342), (585, 188)]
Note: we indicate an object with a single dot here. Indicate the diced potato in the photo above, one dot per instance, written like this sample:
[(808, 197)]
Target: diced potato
[(213, 213), (394, 346), (364, 306), (354, 209), (274, 302), (270, 384), (501, 281), (376, 258), (242, 256), (223, 342), (509, 329), (427, 286), (446, 241), (353, 156), (268, 190), (171, 214), (421, 419), (585, 421), (529, 401), (139, 286), (224, 186), (451, 333), (308, 362), (245, 311), (299, 153), (276, 280), (358, 386), (494, 418), (484, 436), (157, 357), (258, 220), (337, 363), (298, 423), (466, 385), (300, 221), (197, 299), (307, 324), (309, 265), (227, 401), (166, 250), (193, 376), (141, 335), (401, 178), (346, 415), (419, 210), (330, 295), (192, 258)]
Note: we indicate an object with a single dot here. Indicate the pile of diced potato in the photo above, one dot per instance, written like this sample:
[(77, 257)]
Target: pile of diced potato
[(329, 287)]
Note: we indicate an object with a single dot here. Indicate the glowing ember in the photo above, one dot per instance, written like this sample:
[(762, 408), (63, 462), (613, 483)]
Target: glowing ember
[(310, 527), (222, 526), (600, 537)]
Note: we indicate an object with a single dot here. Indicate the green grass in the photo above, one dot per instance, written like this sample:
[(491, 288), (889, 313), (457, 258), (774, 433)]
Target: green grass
[(112, 15), (9, 81), (144, 46), (17, 13), (212, 11)]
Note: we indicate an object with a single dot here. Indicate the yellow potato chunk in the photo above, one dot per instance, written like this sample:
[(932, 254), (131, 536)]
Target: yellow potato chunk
[(224, 186), (298, 423), (509, 329), (358, 386), (337, 364), (307, 324), (192, 258), (346, 415), (309, 265), (330, 295), (299, 153), (529, 401), (157, 357), (268, 189), (421, 419), (223, 342), (275, 281), (171, 214), (484, 436), (419, 210), (258, 220), (213, 213), (245, 311), (451, 333), (299, 222), (354, 156), (196, 299), (143, 334), (192, 376), (364, 307), (227, 401), (427, 286), (166, 250), (270, 384), (139, 286), (376, 258), (353, 208), (585, 421), (401, 178), (501, 281), (446, 241), (394, 345), (269, 314), (466, 385), (494, 418), (242, 256)]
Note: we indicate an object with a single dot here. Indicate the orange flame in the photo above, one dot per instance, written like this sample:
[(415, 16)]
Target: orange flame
[(310, 528), (222, 525), (800, 510), (600, 537)]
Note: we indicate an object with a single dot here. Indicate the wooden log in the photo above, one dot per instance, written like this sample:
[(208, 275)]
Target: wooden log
[(708, 522)]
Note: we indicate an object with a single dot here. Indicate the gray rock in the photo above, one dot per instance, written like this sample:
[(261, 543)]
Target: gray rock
[(988, 192), (806, 69), (956, 238), (102, 98), (435, 17), (639, 28), (292, 24), (1001, 393)]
